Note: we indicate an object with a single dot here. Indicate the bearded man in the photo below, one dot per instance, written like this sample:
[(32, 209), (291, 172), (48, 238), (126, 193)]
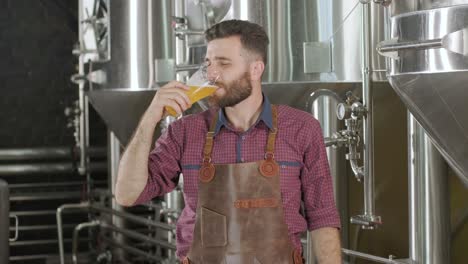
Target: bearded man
[(247, 165)]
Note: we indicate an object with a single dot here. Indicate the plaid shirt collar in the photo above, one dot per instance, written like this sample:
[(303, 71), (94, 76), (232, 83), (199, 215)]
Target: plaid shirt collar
[(265, 116)]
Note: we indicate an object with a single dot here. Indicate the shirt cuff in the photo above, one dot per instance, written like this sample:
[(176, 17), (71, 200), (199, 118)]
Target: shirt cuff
[(323, 217)]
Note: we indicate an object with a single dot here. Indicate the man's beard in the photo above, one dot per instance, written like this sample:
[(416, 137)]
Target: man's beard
[(235, 92)]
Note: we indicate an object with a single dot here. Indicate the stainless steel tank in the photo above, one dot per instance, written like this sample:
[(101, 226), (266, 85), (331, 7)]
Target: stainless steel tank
[(428, 66), (140, 32), (310, 40)]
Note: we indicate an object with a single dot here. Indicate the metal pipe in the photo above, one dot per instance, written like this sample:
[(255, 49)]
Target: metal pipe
[(424, 44), (353, 159), (83, 129), (322, 104), (48, 153), (32, 257), (36, 212), (45, 196), (5, 219), (186, 67), (76, 233), (51, 184), (139, 236), (39, 227), (60, 210), (41, 242), (429, 199), (330, 141), (114, 158), (368, 220), (184, 32), (42, 168), (132, 250), (133, 218), (370, 257)]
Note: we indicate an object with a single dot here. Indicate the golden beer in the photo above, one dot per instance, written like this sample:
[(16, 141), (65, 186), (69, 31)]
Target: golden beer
[(195, 93)]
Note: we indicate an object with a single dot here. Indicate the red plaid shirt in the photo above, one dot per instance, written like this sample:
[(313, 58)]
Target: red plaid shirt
[(299, 150)]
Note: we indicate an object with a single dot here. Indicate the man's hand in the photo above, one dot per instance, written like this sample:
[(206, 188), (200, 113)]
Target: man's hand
[(326, 245), (172, 95), (133, 168)]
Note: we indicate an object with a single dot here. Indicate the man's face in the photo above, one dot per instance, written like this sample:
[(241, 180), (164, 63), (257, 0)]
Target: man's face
[(228, 64)]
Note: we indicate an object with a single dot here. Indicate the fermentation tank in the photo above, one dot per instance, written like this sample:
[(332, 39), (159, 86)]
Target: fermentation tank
[(428, 66)]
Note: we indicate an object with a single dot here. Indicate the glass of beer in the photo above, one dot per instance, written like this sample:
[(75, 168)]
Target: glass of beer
[(200, 88)]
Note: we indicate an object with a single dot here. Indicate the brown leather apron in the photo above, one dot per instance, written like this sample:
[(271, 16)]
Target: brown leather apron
[(239, 218)]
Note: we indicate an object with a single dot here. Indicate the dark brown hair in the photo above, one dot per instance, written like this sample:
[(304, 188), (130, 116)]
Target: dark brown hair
[(252, 36)]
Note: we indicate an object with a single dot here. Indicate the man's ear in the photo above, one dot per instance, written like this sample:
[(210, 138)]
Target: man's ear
[(256, 70)]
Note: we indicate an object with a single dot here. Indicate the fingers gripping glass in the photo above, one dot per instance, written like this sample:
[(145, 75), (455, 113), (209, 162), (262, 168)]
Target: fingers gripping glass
[(201, 86)]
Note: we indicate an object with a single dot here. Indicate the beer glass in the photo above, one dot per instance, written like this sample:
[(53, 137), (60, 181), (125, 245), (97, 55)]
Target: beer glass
[(200, 88)]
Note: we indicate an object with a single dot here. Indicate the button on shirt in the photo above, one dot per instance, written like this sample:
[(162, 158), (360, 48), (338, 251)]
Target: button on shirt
[(299, 150)]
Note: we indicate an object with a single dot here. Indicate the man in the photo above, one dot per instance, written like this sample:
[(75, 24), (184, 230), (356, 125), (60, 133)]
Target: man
[(246, 164)]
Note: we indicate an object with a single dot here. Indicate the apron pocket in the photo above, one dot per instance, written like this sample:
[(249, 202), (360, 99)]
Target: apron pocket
[(213, 228)]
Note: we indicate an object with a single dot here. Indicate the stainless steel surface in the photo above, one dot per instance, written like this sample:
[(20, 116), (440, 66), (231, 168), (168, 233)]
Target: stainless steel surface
[(136, 235), (290, 24), (134, 27), (407, 6), (431, 82), (51, 168), (317, 57), (371, 257), (16, 228), (133, 218), (323, 106), (46, 153), (83, 128), (40, 242), (5, 219), (131, 106), (429, 199), (76, 233), (60, 225), (114, 154), (368, 121), (133, 250)]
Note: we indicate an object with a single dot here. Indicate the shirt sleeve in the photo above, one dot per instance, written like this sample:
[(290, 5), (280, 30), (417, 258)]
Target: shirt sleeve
[(163, 164), (317, 185)]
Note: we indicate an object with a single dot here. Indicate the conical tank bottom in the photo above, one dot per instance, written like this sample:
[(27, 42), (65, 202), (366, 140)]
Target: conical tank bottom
[(439, 101)]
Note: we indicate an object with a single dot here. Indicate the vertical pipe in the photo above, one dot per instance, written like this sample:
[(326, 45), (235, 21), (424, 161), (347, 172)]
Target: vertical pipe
[(114, 158), (5, 220), (180, 44), (60, 226), (75, 239), (429, 199), (368, 122), (324, 109), (82, 168)]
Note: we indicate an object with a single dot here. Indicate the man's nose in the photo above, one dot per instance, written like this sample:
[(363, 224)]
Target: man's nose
[(213, 74)]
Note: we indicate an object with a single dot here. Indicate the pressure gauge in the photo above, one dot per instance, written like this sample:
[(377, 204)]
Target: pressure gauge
[(343, 111)]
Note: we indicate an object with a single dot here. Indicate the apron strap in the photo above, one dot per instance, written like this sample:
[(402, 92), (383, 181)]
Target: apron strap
[(270, 147), (208, 149)]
